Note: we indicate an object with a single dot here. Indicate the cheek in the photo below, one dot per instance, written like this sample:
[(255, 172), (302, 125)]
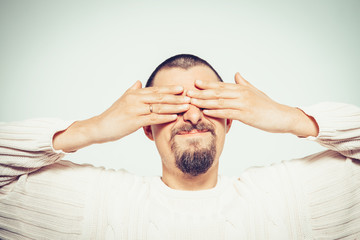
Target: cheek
[(220, 125), (161, 132), (221, 130)]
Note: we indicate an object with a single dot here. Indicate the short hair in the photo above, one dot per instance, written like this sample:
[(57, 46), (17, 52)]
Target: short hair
[(184, 61)]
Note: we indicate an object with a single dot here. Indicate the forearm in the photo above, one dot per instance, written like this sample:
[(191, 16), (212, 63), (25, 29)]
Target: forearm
[(79, 135), (128, 114)]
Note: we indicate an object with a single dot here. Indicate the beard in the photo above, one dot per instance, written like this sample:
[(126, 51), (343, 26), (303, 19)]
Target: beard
[(196, 159)]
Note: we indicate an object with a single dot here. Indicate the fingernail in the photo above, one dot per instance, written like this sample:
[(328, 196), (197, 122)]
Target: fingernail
[(190, 92), (178, 88), (187, 99), (185, 106), (198, 82)]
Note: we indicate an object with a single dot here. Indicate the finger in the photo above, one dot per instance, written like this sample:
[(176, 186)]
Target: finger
[(152, 119), (216, 104), (223, 113), (241, 81), (164, 98), (162, 89), (214, 85), (166, 108), (213, 93), (137, 85)]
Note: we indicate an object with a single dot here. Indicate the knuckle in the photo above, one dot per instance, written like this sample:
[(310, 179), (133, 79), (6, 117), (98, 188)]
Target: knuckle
[(231, 115), (217, 93), (160, 98), (176, 99), (221, 102), (155, 89), (195, 93), (222, 85), (153, 117), (159, 110)]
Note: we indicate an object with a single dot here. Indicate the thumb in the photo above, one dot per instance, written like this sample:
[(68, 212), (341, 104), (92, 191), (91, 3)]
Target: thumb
[(240, 80), (137, 85)]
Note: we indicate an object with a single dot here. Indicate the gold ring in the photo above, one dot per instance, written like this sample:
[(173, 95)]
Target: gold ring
[(150, 108)]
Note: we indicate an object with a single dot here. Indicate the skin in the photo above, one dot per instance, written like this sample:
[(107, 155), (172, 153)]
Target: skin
[(171, 175), (197, 89), (128, 114)]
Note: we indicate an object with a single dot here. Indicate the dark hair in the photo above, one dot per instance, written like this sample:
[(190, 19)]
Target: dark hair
[(184, 61)]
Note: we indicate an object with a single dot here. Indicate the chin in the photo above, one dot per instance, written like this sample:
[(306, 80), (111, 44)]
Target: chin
[(194, 157)]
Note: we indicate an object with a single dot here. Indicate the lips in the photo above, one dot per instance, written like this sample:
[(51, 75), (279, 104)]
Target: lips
[(194, 131)]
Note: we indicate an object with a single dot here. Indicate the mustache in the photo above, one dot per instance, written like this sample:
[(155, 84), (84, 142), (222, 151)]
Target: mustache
[(188, 127)]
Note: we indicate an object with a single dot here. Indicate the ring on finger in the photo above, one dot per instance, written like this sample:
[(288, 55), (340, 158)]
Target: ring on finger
[(151, 108)]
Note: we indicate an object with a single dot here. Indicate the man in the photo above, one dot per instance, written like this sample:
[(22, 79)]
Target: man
[(187, 110)]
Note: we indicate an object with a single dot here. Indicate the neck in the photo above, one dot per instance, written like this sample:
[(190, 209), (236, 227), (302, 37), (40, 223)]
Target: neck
[(180, 181)]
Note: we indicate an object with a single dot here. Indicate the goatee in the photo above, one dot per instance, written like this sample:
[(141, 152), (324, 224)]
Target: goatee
[(196, 159)]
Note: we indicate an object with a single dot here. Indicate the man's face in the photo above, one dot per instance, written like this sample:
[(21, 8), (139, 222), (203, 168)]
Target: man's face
[(193, 143)]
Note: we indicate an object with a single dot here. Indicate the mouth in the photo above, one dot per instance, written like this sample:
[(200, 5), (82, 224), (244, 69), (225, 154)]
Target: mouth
[(192, 132), (187, 130)]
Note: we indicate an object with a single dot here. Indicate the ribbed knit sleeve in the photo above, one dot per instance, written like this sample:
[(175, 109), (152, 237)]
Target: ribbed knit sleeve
[(331, 181), (54, 202), (316, 197), (26, 146), (44, 197), (339, 127), (328, 194)]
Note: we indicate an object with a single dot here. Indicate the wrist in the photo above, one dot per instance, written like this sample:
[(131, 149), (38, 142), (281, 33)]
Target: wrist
[(303, 124), (80, 134)]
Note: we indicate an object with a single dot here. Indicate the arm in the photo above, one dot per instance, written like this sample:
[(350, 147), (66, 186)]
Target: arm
[(339, 127), (27, 146), (129, 113), (319, 193), (245, 103)]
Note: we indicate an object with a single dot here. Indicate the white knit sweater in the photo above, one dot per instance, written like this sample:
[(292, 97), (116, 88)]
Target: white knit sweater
[(317, 197)]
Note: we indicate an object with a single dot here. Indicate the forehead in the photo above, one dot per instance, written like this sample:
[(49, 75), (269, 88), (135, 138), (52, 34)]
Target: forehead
[(184, 77)]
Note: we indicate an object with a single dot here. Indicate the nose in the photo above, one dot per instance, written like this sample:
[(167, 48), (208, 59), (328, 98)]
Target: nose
[(193, 115)]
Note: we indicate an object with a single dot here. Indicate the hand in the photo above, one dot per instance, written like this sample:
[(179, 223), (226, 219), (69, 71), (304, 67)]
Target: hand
[(243, 102), (136, 108), (140, 107)]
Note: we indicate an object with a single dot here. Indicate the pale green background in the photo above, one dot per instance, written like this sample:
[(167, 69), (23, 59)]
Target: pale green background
[(73, 59)]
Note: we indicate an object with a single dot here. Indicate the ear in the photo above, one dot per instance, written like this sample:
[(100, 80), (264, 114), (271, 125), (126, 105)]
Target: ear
[(228, 124), (148, 132)]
